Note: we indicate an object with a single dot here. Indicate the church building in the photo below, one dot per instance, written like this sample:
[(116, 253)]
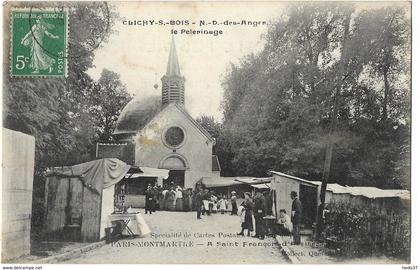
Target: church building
[(165, 135)]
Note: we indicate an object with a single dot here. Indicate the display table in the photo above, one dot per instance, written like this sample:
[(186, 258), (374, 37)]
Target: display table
[(134, 224)]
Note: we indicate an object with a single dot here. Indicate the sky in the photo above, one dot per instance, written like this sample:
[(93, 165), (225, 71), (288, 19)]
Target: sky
[(140, 53)]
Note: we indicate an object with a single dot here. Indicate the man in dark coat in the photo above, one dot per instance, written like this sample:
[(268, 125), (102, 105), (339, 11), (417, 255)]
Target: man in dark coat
[(259, 214), (233, 203), (185, 200), (155, 192), (268, 202), (296, 217), (149, 200), (198, 202)]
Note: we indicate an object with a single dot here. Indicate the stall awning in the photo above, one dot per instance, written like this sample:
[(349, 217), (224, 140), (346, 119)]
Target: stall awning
[(253, 180), (150, 172), (373, 192), (234, 181), (220, 182), (262, 186), (97, 174), (368, 192)]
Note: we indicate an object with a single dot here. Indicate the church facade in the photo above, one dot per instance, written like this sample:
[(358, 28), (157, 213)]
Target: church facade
[(165, 135)]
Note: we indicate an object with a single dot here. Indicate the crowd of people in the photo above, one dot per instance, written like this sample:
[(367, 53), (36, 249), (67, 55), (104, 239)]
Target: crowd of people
[(206, 202), (168, 198), (260, 207), (176, 198)]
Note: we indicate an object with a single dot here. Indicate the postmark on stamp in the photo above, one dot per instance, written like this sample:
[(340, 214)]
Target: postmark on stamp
[(39, 42)]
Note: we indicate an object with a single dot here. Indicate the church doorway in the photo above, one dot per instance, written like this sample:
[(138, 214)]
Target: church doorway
[(176, 177), (176, 164)]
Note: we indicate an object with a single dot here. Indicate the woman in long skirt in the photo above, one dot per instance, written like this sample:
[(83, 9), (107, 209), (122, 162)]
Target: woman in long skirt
[(247, 220), (233, 203), (166, 196), (223, 204), (170, 202), (179, 201), (190, 200), (185, 200), (161, 200)]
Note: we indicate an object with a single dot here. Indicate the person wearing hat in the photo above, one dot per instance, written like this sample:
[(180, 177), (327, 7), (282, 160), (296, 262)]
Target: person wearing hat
[(259, 214), (247, 215), (198, 200), (296, 217), (233, 203), (149, 200)]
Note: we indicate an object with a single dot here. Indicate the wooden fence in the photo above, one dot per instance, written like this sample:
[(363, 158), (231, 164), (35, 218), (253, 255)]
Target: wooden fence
[(370, 230)]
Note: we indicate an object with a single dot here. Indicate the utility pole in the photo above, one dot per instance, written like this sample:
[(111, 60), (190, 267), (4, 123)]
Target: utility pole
[(334, 122)]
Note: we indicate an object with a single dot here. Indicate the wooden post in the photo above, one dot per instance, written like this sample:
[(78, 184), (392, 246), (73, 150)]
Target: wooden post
[(330, 144), (275, 202), (68, 205), (47, 182)]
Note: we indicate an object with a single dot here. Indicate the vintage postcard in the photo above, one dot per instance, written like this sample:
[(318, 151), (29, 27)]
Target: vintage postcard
[(206, 133)]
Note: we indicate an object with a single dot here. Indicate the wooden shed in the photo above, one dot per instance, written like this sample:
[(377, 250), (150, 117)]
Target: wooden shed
[(74, 198), (307, 191), (309, 194)]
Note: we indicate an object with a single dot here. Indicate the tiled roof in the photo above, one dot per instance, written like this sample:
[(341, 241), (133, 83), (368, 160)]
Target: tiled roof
[(136, 114), (124, 152)]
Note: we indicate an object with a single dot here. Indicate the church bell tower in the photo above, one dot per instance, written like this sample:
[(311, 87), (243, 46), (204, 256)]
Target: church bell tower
[(173, 84)]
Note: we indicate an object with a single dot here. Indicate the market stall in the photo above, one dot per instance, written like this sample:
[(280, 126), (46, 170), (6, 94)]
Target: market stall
[(79, 199)]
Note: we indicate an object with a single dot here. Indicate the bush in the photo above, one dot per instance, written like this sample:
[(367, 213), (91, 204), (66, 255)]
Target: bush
[(366, 231)]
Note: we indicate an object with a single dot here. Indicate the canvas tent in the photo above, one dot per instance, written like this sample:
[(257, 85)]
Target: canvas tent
[(79, 198)]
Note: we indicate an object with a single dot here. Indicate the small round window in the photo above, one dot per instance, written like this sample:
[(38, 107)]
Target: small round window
[(174, 136)]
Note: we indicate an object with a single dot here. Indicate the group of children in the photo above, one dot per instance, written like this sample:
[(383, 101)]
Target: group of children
[(215, 204)]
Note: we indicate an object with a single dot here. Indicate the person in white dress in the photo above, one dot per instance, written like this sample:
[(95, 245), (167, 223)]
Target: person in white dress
[(179, 199), (223, 204)]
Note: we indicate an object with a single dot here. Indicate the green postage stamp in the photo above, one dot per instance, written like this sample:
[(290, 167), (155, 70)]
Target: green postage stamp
[(39, 42)]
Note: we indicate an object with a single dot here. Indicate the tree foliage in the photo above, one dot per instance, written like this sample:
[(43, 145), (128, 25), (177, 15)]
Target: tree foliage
[(279, 104), (222, 148), (67, 116)]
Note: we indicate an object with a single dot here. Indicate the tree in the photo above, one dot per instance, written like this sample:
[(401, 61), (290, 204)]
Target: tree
[(211, 125), (222, 148), (384, 38), (108, 98), (55, 111), (314, 85)]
